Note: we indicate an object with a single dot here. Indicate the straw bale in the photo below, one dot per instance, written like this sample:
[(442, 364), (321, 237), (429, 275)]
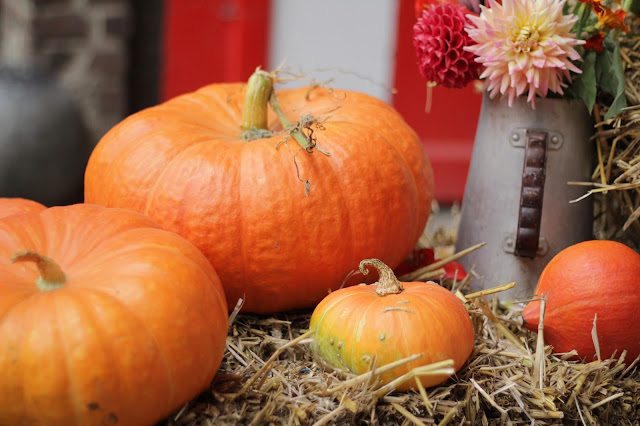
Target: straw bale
[(616, 176), (499, 384)]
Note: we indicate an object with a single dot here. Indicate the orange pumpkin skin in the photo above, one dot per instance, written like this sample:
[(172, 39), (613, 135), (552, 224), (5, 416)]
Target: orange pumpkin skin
[(352, 325), (593, 277), (138, 329), (11, 206), (244, 203)]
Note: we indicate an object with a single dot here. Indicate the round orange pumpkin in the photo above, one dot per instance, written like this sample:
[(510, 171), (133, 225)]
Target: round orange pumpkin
[(104, 318), (282, 225), (590, 280), (388, 321), (10, 206)]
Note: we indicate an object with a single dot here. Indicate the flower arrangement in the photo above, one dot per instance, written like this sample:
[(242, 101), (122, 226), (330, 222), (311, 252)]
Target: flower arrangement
[(536, 48)]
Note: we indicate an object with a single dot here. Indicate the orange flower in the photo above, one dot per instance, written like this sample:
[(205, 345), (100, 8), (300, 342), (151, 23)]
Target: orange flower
[(612, 20), (595, 42), (596, 5)]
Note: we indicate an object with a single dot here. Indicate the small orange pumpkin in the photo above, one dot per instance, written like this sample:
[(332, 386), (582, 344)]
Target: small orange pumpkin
[(10, 206), (388, 321), (591, 278), (104, 318)]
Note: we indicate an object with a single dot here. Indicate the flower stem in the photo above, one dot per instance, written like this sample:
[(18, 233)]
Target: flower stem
[(51, 276), (387, 283), (583, 11)]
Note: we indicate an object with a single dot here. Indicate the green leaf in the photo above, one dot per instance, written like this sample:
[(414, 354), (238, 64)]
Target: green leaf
[(584, 85), (610, 76), (635, 7)]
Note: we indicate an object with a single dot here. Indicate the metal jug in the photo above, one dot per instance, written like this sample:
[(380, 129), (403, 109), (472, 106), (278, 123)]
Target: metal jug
[(517, 198)]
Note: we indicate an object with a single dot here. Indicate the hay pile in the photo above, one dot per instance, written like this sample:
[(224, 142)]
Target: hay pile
[(616, 177), (269, 377)]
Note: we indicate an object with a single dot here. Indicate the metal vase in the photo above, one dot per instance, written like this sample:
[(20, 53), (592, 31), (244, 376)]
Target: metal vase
[(517, 198)]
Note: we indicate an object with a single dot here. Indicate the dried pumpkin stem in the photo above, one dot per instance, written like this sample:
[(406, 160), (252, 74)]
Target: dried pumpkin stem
[(51, 276), (387, 283)]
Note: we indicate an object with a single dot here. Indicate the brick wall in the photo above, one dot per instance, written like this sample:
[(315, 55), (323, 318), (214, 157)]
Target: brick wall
[(83, 43)]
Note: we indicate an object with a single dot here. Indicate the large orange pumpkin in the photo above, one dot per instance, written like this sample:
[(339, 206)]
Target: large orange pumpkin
[(389, 321), (10, 206), (104, 318), (593, 280), (280, 224)]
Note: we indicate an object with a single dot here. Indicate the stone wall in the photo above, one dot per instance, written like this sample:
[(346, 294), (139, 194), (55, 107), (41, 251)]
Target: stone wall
[(83, 43)]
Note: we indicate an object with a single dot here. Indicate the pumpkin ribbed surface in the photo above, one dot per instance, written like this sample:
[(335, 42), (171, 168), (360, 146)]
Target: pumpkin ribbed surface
[(10, 206), (353, 326), (138, 328), (244, 203)]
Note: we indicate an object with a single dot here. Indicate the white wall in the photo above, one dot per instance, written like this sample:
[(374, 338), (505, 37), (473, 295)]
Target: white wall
[(353, 40)]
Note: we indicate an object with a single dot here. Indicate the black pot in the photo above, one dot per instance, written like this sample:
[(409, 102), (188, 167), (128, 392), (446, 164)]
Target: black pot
[(44, 143)]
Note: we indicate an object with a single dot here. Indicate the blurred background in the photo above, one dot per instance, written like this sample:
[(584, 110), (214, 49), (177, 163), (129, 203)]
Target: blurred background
[(97, 61)]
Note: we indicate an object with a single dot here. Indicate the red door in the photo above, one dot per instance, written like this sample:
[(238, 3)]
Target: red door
[(211, 41)]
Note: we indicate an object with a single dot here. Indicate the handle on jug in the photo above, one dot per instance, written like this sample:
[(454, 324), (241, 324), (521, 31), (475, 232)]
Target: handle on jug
[(531, 194)]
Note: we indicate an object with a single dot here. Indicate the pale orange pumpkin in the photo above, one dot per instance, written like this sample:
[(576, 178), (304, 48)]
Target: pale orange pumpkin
[(282, 225), (388, 321), (104, 318)]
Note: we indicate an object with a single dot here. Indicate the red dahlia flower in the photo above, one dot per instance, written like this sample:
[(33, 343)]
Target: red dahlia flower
[(439, 37)]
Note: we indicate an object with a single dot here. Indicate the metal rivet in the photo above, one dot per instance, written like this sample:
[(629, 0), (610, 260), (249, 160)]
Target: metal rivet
[(515, 136), (543, 247), (509, 244), (555, 139)]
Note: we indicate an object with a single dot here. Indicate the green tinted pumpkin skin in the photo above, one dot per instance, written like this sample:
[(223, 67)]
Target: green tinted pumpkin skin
[(352, 325), (138, 328), (244, 203)]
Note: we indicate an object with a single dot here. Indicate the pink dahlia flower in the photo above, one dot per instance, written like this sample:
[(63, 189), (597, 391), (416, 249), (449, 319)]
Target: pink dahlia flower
[(439, 37), (524, 46)]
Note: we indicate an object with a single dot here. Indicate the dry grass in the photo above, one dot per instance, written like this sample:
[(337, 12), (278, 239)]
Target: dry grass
[(268, 375), (616, 178)]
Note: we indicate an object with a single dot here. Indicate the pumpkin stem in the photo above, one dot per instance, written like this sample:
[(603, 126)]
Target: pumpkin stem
[(387, 283), (259, 95), (254, 110), (295, 132), (51, 276)]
